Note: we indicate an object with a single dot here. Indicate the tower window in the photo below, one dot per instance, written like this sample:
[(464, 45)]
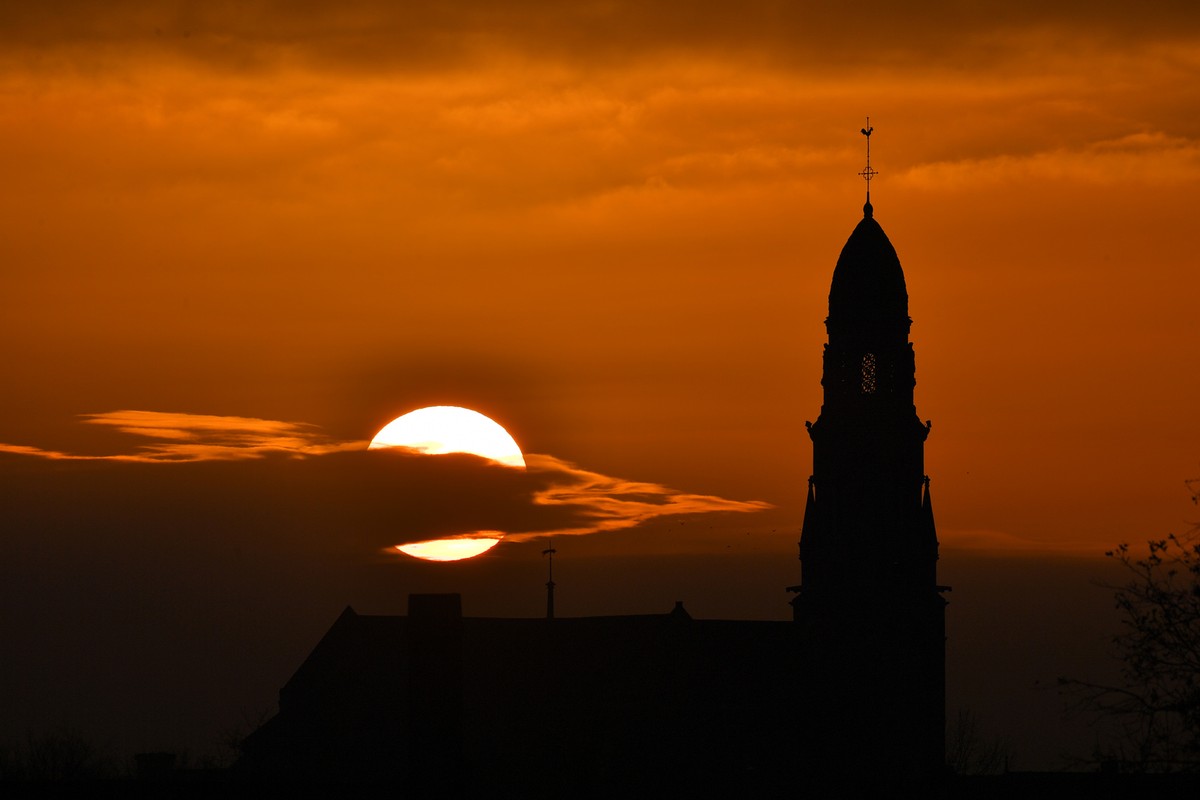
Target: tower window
[(869, 380)]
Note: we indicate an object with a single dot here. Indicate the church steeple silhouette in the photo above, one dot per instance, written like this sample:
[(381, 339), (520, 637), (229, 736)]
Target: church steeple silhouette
[(868, 605)]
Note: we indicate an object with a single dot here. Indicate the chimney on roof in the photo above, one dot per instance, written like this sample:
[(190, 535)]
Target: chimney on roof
[(435, 684)]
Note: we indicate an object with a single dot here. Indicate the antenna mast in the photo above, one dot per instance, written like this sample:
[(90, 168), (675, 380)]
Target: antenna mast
[(549, 553)]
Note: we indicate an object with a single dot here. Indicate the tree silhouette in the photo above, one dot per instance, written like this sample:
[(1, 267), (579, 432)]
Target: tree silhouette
[(59, 754), (969, 752), (1156, 707)]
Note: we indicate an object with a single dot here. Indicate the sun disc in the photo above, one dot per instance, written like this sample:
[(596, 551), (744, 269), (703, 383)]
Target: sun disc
[(448, 549), (450, 429)]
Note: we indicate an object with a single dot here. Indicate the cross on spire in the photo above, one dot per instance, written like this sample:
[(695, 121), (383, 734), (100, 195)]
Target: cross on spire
[(867, 172)]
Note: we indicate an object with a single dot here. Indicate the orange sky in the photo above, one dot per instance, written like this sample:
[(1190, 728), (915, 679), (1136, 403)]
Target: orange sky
[(613, 230), (612, 227)]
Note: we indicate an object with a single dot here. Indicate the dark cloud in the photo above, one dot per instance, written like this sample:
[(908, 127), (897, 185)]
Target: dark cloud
[(267, 484), (376, 34), (353, 501)]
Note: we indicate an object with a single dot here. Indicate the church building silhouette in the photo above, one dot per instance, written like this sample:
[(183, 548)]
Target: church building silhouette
[(850, 693)]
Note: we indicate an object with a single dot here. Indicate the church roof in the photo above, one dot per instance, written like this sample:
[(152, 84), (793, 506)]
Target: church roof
[(868, 283)]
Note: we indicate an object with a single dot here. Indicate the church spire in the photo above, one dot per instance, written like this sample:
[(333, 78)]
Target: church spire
[(869, 609)]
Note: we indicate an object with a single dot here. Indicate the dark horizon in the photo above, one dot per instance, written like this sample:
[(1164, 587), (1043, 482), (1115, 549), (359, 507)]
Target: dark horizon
[(1004, 651)]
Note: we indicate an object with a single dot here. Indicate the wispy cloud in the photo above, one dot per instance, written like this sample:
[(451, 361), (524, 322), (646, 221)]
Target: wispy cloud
[(179, 437), (202, 437), (996, 542), (605, 503), (291, 476), (1148, 158)]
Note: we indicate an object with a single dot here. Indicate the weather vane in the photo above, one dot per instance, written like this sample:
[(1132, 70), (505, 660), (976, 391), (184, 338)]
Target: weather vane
[(868, 173)]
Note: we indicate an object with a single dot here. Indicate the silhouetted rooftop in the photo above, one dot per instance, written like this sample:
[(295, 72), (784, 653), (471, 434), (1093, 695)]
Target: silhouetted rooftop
[(584, 702)]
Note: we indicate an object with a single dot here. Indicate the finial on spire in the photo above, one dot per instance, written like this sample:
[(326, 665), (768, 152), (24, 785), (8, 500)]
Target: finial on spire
[(867, 172)]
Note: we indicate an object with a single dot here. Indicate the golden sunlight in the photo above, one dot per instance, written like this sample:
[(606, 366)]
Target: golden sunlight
[(452, 549), (449, 429)]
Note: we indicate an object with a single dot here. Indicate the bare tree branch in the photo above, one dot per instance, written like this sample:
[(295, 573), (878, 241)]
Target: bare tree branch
[(1155, 711)]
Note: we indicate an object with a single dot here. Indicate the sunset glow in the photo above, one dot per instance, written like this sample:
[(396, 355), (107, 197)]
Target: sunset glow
[(438, 430), (448, 429), (449, 549), (238, 238), (695, 183)]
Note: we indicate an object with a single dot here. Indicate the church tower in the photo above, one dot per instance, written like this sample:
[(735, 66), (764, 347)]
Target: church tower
[(869, 610)]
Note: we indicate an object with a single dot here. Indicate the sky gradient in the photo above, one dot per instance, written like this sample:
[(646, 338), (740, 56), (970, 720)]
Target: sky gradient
[(610, 227)]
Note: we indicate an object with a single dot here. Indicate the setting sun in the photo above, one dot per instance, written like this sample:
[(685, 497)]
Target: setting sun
[(452, 549), (437, 430), (450, 429)]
